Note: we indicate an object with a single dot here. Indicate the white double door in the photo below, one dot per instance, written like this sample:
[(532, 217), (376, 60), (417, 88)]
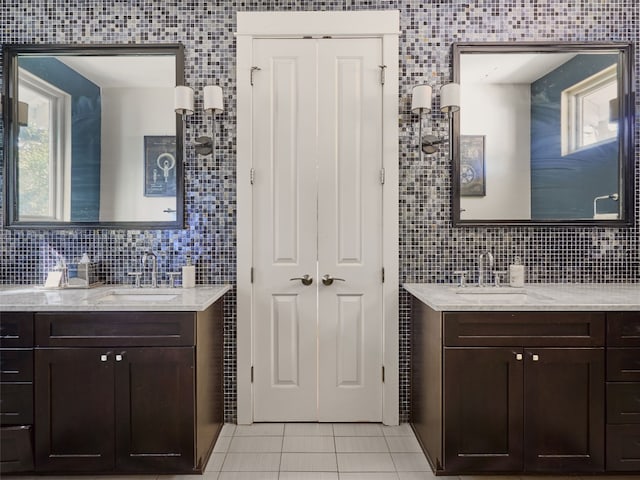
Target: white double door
[(317, 212)]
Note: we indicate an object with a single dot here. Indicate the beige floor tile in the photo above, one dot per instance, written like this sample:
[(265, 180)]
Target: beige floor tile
[(260, 429), (403, 444), (361, 444), (365, 462), (250, 444), (308, 429), (248, 476), (222, 445), (403, 429), (215, 462), (357, 430), (308, 475), (228, 430), (308, 462), (427, 476), (251, 462), (308, 445), (369, 476), (411, 462)]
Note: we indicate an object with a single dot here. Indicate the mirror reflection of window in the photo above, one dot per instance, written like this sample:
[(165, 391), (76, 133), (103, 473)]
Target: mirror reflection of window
[(42, 156), (586, 111)]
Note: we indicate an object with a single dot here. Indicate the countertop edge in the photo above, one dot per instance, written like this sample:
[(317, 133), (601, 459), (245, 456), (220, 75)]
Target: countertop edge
[(540, 297), (93, 306)]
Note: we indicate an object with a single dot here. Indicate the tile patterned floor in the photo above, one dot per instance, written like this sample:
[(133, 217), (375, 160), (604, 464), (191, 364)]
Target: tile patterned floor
[(319, 451)]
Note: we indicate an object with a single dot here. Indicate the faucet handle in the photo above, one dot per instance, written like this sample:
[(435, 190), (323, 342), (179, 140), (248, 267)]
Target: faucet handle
[(496, 277), (172, 278), (462, 282), (137, 275)]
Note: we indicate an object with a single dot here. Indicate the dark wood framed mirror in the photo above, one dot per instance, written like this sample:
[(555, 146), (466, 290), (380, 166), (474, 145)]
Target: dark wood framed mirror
[(91, 136), (544, 134)]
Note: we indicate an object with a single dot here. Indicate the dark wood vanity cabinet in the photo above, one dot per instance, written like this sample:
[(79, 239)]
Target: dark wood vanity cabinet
[(127, 392), (623, 391), (16, 392), (509, 391), (129, 409)]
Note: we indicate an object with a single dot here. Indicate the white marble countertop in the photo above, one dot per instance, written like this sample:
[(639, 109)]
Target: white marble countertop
[(109, 298), (545, 296)]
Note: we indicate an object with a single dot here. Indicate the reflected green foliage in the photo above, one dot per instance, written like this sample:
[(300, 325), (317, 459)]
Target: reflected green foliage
[(33, 171)]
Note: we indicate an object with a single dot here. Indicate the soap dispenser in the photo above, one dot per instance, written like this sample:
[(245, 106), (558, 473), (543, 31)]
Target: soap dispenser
[(189, 274), (516, 273)]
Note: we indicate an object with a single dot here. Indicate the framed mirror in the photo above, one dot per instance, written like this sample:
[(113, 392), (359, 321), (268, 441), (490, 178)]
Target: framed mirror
[(544, 134), (91, 136)]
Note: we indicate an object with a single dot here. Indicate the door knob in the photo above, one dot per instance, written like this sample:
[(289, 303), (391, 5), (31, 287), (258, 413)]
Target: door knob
[(328, 279), (535, 357), (306, 279)]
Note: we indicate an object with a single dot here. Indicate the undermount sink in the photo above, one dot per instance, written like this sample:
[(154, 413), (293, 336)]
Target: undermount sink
[(490, 290), (142, 296)]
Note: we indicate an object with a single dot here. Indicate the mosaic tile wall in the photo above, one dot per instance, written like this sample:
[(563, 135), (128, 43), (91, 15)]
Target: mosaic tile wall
[(429, 247)]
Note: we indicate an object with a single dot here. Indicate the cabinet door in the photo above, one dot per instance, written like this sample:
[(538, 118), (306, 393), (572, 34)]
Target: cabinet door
[(483, 409), (74, 410), (155, 404), (564, 410)]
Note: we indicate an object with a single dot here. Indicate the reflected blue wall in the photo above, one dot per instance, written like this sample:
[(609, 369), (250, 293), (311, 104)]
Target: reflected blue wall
[(86, 115), (564, 187)]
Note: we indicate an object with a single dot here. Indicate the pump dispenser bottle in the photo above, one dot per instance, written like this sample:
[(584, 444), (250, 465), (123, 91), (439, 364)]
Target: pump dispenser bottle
[(516, 273), (189, 274)]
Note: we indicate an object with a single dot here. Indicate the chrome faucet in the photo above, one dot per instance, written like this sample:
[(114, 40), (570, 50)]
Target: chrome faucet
[(481, 278), (154, 266)]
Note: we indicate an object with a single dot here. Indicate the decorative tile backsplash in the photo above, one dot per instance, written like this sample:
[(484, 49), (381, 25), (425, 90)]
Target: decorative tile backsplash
[(430, 248)]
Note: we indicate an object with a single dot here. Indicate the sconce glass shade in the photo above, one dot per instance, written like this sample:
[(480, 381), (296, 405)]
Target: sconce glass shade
[(23, 114), (450, 97), (421, 98), (213, 99), (614, 111), (183, 100)]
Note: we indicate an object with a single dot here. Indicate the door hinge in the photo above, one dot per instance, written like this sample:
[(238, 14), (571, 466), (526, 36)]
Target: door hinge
[(252, 175), (253, 69), (251, 373), (251, 274), (383, 73), (382, 176), (382, 274), (383, 374)]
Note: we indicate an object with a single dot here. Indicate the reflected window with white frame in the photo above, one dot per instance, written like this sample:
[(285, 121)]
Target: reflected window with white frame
[(44, 160), (586, 113)]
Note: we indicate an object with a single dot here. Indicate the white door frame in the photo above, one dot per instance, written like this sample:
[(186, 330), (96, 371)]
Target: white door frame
[(379, 24)]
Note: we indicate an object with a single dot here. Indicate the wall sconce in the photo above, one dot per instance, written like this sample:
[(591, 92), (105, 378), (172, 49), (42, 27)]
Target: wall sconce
[(420, 103), (212, 105), (449, 103)]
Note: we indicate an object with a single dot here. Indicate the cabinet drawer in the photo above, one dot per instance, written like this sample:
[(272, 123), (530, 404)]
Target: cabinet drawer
[(116, 329), (16, 365), (16, 450), (623, 364), (623, 403), (528, 329), (16, 330), (16, 404), (623, 448), (623, 329)]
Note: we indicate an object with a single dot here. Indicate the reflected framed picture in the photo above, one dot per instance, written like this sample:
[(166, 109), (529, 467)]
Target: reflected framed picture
[(472, 172), (160, 166)]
